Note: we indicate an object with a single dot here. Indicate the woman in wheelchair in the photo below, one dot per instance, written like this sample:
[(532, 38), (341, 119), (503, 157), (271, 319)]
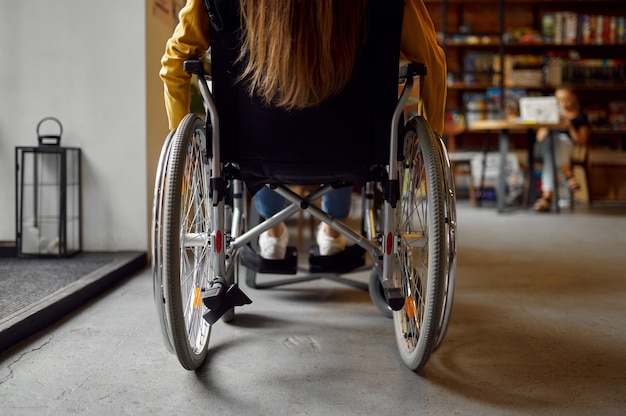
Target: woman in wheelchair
[(304, 92), (323, 39)]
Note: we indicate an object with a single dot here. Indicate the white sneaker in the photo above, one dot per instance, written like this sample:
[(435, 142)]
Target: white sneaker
[(274, 248), (329, 245)]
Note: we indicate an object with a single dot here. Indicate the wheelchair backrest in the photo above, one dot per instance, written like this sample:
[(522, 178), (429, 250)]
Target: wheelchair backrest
[(339, 140)]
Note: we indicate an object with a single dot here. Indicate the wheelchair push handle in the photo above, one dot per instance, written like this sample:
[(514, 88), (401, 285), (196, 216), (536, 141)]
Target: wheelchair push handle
[(412, 69), (49, 139), (195, 66)]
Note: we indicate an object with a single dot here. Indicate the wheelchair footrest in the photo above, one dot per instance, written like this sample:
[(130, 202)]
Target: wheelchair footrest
[(345, 261), (253, 261)]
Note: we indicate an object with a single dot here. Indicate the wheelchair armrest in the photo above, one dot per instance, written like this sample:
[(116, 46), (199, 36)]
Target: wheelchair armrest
[(412, 69), (194, 66)]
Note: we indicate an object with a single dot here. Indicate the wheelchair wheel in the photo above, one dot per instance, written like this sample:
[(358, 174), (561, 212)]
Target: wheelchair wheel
[(187, 262), (450, 235), (421, 250), (157, 243)]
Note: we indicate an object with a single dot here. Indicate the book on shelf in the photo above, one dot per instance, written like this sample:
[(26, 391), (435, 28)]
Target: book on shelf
[(595, 71), (511, 100), (556, 67), (570, 27), (547, 27), (523, 70), (480, 68)]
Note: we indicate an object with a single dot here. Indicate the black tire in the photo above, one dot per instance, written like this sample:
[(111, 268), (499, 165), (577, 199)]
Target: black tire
[(157, 243), (451, 245)]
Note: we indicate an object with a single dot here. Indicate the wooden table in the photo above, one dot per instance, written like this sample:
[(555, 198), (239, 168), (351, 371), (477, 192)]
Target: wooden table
[(503, 127)]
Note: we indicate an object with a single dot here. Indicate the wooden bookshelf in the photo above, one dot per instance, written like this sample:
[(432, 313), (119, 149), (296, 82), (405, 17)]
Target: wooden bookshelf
[(503, 28)]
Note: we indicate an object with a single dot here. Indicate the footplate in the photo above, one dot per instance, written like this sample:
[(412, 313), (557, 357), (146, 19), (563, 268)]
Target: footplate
[(253, 261), (345, 261)]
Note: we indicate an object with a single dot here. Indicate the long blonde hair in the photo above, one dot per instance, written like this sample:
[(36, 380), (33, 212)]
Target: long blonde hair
[(300, 53)]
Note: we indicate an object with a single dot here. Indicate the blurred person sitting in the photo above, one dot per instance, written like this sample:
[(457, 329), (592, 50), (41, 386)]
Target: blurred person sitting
[(573, 130)]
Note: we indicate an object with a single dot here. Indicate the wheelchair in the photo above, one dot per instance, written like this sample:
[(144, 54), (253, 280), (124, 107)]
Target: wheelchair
[(200, 229), (204, 228)]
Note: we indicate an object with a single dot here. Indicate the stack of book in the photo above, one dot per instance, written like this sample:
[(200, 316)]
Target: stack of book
[(569, 28)]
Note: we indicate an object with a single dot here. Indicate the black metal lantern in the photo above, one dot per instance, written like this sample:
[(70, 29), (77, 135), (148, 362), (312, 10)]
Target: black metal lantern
[(48, 196)]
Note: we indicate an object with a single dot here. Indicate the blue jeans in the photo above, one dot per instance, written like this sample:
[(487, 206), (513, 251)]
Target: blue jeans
[(563, 148), (335, 203)]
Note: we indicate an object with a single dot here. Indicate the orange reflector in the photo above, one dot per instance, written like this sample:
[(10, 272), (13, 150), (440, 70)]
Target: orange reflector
[(409, 309), (197, 299), (182, 189)]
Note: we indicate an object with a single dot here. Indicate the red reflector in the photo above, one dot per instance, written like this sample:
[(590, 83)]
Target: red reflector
[(218, 241), (389, 245)]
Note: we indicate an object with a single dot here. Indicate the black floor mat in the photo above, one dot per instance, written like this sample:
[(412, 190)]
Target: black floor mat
[(24, 281), (36, 292)]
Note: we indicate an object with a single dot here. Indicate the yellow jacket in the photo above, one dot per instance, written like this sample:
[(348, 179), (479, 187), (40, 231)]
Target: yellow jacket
[(191, 40)]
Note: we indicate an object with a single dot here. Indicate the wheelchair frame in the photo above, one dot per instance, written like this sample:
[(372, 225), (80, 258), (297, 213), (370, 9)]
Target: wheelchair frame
[(196, 235)]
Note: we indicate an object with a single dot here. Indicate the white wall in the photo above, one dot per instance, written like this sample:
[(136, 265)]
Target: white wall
[(83, 62)]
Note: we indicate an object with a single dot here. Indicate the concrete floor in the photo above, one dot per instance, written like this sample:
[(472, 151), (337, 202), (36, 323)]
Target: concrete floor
[(538, 327)]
